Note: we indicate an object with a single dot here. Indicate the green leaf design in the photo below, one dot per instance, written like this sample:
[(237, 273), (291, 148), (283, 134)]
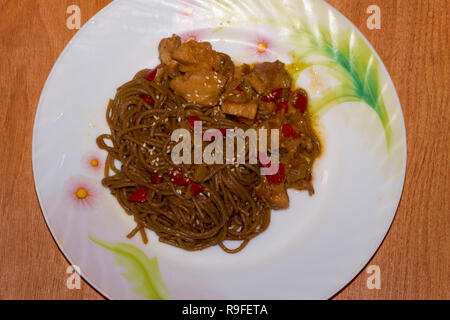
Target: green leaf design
[(350, 60), (142, 272), (345, 54)]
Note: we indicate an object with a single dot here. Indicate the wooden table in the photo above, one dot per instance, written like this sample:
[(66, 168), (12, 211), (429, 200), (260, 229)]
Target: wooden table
[(413, 42)]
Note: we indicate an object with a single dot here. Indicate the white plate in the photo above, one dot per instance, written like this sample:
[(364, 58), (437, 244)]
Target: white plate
[(310, 250)]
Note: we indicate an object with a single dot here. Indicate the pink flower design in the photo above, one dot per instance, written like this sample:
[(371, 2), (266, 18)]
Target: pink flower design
[(81, 191), (188, 11), (196, 34), (187, 8), (93, 162), (263, 48)]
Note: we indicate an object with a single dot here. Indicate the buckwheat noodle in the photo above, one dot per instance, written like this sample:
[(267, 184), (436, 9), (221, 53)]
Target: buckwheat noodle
[(140, 144)]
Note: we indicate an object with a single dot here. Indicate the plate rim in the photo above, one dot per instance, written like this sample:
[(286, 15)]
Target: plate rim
[(34, 142), (404, 137), (85, 27)]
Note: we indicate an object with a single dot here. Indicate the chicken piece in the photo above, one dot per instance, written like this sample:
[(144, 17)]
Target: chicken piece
[(291, 145), (303, 185), (245, 110), (166, 47), (273, 74), (188, 52), (193, 55), (235, 96), (226, 67), (274, 194), (256, 82), (266, 108), (307, 143), (202, 87), (241, 71), (269, 76), (299, 122), (273, 123), (299, 170)]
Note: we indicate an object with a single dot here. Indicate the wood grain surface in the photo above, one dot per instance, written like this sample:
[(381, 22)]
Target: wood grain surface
[(413, 42)]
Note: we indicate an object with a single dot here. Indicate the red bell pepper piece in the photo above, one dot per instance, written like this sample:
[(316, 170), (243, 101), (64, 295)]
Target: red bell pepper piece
[(139, 195), (196, 188), (147, 99), (273, 96), (151, 75), (192, 119), (280, 106), (301, 103), (156, 178), (278, 177), (288, 131), (178, 179), (277, 93)]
